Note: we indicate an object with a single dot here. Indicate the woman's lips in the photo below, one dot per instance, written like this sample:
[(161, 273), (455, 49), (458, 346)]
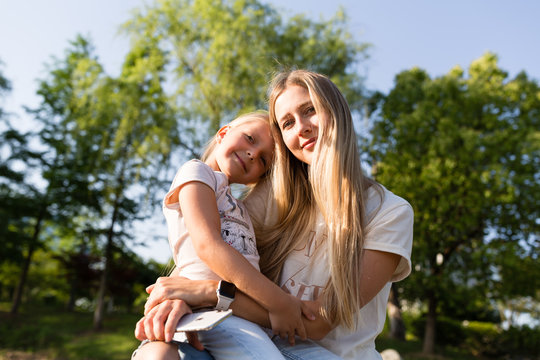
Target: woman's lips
[(309, 144)]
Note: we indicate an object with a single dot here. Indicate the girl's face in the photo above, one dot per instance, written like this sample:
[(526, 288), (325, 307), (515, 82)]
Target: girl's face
[(244, 152), (298, 122)]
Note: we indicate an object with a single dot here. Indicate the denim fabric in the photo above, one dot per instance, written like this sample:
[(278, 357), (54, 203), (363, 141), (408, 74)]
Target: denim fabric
[(233, 339), (303, 350)]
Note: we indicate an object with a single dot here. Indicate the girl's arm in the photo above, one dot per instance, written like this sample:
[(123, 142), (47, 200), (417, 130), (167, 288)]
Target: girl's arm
[(198, 205)]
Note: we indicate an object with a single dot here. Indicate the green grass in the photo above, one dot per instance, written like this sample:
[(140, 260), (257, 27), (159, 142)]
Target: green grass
[(41, 332), (51, 333)]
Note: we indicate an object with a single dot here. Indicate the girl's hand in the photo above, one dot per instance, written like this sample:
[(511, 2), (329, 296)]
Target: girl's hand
[(286, 318), (196, 293)]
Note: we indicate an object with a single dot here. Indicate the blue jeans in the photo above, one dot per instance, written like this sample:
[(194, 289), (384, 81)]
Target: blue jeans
[(236, 338), (303, 350)]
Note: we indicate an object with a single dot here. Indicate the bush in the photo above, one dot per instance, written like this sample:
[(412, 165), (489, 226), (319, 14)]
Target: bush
[(481, 338), (485, 339), (447, 332), (521, 340)]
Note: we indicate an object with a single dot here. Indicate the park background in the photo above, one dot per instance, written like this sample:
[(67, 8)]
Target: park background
[(449, 87)]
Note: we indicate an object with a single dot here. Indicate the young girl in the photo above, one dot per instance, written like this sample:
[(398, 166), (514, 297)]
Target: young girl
[(212, 238)]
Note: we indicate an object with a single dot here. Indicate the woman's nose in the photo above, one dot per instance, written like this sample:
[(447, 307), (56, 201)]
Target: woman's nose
[(304, 126)]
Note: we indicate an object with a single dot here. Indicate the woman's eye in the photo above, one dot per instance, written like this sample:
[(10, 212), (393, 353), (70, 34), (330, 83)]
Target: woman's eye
[(286, 124), (310, 110)]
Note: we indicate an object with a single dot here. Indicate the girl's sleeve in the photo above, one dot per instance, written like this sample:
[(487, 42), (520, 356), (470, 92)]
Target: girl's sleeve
[(193, 170), (392, 231)]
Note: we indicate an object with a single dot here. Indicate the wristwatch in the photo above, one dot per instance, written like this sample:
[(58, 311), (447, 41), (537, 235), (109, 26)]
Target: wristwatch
[(225, 295)]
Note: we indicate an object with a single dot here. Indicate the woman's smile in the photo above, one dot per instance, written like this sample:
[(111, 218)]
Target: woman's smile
[(298, 122)]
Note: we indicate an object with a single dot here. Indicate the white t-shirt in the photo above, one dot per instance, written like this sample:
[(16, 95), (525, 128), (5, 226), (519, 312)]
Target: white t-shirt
[(236, 226), (305, 271)]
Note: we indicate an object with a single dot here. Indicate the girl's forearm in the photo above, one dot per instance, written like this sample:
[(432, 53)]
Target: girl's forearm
[(201, 216), (230, 265)]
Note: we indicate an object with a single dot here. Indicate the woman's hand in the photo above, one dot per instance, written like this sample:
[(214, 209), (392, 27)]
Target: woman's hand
[(286, 318), (196, 293), (160, 323)]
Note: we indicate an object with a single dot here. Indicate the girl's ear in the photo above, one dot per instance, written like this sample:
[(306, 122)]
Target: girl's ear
[(221, 133)]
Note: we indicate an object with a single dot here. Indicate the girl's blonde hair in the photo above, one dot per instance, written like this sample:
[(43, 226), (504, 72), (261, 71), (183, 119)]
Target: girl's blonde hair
[(334, 184), (259, 115)]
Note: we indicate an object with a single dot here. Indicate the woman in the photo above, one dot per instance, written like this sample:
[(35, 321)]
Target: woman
[(326, 233)]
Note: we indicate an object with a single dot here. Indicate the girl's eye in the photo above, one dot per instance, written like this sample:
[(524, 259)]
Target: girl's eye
[(263, 160), (250, 138)]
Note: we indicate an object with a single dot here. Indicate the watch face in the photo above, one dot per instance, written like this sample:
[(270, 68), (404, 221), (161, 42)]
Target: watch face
[(227, 289)]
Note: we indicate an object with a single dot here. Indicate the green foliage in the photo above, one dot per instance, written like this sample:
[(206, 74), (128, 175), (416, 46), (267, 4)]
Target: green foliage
[(520, 341), (464, 151), (448, 331), (481, 339), (220, 56), (5, 87)]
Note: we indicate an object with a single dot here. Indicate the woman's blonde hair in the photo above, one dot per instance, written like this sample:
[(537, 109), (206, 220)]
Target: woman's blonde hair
[(333, 184)]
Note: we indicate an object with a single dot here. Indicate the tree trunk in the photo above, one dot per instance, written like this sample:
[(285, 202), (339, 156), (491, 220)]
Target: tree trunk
[(103, 284), (429, 335), (397, 326), (72, 293), (17, 295)]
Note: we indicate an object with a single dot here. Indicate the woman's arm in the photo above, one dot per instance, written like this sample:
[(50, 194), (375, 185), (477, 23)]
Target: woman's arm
[(377, 269), (202, 293)]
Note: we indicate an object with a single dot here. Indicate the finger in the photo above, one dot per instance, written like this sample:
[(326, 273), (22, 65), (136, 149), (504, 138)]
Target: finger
[(176, 313), (307, 312), (160, 318), (152, 301), (149, 328), (139, 330), (301, 332), (193, 339), (291, 338), (150, 288)]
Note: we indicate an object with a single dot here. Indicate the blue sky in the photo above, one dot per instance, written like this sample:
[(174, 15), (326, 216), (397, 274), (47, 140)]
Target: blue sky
[(434, 35)]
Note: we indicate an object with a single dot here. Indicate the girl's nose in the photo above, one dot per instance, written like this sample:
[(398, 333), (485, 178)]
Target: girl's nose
[(253, 153)]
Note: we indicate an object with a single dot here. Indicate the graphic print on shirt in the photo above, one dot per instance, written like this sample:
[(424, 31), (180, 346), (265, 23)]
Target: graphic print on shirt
[(298, 284), (234, 230), (237, 234)]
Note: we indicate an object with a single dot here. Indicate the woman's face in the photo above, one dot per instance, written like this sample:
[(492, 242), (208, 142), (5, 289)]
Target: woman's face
[(298, 122)]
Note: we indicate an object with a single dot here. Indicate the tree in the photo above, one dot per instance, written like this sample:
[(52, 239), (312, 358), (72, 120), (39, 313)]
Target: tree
[(18, 206), (108, 138), (221, 54), (464, 150)]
